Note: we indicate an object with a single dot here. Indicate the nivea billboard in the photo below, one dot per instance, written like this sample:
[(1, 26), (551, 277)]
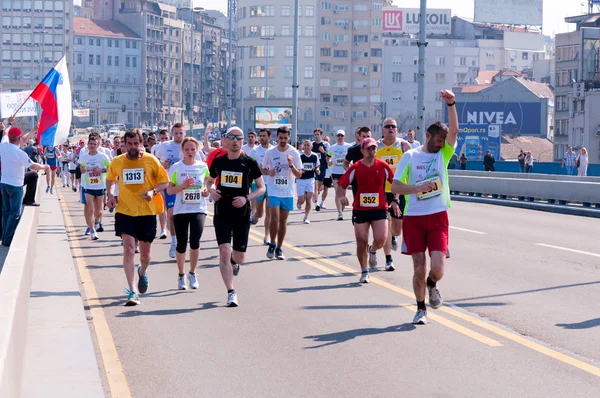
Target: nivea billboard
[(520, 118)]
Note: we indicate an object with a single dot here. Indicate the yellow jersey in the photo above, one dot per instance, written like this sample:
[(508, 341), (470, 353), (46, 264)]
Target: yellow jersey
[(135, 177), (391, 154)]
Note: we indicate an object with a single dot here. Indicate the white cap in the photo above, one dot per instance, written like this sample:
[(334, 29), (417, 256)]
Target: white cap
[(231, 129), (342, 132)]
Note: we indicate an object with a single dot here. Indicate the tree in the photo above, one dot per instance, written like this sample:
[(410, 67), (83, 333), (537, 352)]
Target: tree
[(406, 120)]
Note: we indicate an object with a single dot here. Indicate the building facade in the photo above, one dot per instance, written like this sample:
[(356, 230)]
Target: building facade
[(107, 73)]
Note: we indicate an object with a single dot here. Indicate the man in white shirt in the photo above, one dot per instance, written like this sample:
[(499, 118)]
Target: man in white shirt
[(251, 145), (284, 165), (411, 139), (14, 162)]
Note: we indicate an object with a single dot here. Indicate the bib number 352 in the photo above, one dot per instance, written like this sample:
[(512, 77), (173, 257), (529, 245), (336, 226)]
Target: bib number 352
[(369, 199), (133, 176)]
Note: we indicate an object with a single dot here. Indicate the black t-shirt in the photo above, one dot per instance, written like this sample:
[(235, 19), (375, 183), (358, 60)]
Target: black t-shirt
[(354, 154), (235, 175), (322, 156), (309, 164)]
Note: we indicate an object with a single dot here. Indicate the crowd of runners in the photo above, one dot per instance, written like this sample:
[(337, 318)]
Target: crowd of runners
[(167, 186)]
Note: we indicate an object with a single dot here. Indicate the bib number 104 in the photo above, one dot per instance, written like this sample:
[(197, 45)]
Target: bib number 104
[(230, 179)]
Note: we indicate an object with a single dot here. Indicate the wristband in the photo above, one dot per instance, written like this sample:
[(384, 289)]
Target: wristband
[(452, 104)]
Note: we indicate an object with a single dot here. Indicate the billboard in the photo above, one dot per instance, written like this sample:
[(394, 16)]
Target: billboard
[(11, 101), (406, 20), (272, 117), (511, 12), (512, 118), (81, 112), (475, 139)]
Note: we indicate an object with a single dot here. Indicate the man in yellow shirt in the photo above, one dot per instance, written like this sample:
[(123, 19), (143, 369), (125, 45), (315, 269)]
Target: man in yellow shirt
[(141, 179)]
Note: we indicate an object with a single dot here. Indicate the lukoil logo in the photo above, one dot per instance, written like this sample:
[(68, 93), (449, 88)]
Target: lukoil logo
[(392, 20)]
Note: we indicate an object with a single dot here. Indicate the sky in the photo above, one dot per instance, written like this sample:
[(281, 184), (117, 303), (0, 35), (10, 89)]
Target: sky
[(555, 11)]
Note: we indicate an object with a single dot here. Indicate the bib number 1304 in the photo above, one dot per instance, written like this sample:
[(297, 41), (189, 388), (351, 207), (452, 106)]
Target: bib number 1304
[(133, 176)]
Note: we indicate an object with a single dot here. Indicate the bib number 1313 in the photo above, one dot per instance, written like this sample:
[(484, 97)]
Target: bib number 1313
[(133, 176)]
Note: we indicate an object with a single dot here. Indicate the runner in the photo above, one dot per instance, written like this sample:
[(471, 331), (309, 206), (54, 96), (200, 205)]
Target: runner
[(94, 165), (411, 139), (422, 176), (163, 136), (64, 163), (259, 155), (321, 148), (355, 152), (305, 185), (235, 171), (73, 167), (140, 177), (52, 155), (390, 150), (249, 147), (188, 184), (337, 153), (370, 210), (284, 165)]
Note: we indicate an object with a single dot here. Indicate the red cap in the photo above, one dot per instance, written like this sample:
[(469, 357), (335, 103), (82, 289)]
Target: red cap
[(14, 132), (368, 142), (81, 141)]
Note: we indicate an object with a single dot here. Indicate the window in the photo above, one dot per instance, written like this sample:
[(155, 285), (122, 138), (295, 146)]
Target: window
[(16, 22), (308, 115), (27, 22), (397, 60), (525, 56), (460, 77), (325, 36), (361, 39), (109, 42), (309, 51), (288, 71), (109, 60), (308, 72), (6, 38), (127, 62), (134, 62), (288, 92), (309, 30), (325, 98), (340, 83), (326, 52), (309, 11), (91, 60), (440, 61), (340, 53), (340, 7), (325, 67), (325, 5), (463, 61), (396, 77), (325, 21), (289, 50), (340, 38), (48, 5), (116, 60), (397, 96), (324, 112), (117, 43), (440, 78), (359, 83), (361, 7), (98, 60), (285, 30), (285, 11), (262, 11), (376, 52), (308, 92), (98, 42), (325, 82), (375, 68), (376, 22), (377, 6), (340, 68), (127, 44)]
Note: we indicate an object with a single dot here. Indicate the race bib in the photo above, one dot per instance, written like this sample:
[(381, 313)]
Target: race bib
[(133, 176), (281, 181), (339, 161), (231, 179), (94, 180), (369, 199), (391, 160), (434, 192), (191, 196), (308, 166)]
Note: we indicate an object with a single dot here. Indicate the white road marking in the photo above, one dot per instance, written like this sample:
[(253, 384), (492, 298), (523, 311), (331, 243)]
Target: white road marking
[(469, 230), (568, 250)]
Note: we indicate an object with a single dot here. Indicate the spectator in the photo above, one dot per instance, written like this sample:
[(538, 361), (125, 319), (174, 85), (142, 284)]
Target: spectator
[(453, 161), (528, 163), (31, 151), (15, 161), (569, 161), (411, 139), (488, 161), (582, 162), (463, 161), (521, 159)]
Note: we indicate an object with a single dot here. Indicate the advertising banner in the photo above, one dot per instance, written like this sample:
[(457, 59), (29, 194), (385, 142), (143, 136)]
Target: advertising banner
[(272, 117), (10, 102), (406, 20), (510, 12), (81, 112), (475, 139), (514, 118)]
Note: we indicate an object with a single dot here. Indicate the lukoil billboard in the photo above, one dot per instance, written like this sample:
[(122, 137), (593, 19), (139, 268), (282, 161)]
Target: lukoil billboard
[(406, 20)]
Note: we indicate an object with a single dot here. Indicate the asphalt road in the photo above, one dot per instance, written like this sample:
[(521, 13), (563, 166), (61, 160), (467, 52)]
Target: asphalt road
[(522, 316)]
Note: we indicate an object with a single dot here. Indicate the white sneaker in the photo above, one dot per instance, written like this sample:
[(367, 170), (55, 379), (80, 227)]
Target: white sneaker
[(372, 258), (193, 281), (163, 234), (94, 235), (172, 251), (340, 217), (435, 298), (364, 277), (181, 284), (232, 299), (306, 220), (420, 318)]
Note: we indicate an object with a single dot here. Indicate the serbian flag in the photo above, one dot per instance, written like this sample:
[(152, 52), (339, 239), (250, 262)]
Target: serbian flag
[(54, 96)]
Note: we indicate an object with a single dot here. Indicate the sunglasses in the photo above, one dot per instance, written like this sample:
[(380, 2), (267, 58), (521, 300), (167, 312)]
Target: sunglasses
[(390, 126), (340, 135), (234, 137)]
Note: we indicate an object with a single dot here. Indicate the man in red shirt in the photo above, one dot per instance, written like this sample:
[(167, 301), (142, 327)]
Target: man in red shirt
[(370, 209)]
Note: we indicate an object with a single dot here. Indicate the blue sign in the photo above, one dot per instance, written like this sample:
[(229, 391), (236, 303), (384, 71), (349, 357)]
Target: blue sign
[(514, 118), (474, 140)]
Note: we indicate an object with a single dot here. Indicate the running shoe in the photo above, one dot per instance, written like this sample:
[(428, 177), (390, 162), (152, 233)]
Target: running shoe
[(265, 242), (254, 219), (94, 235), (305, 220), (88, 231), (163, 234), (340, 217), (323, 206), (235, 266), (132, 299), (172, 252), (420, 318), (181, 284), (142, 282), (232, 299), (364, 277), (51, 192), (74, 189), (435, 298), (394, 243), (279, 254), (317, 208), (111, 210), (99, 227), (372, 258), (271, 251), (47, 189), (389, 266), (193, 281), (298, 206)]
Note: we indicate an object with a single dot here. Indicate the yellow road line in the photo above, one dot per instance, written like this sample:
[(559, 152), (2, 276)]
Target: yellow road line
[(586, 367), (117, 382)]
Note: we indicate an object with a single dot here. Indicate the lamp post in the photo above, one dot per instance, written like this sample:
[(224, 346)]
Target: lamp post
[(230, 11), (267, 39), (192, 10), (422, 43), (243, 110)]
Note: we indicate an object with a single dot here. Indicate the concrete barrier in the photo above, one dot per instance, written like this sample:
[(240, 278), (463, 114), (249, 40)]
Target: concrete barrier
[(15, 286), (522, 176)]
